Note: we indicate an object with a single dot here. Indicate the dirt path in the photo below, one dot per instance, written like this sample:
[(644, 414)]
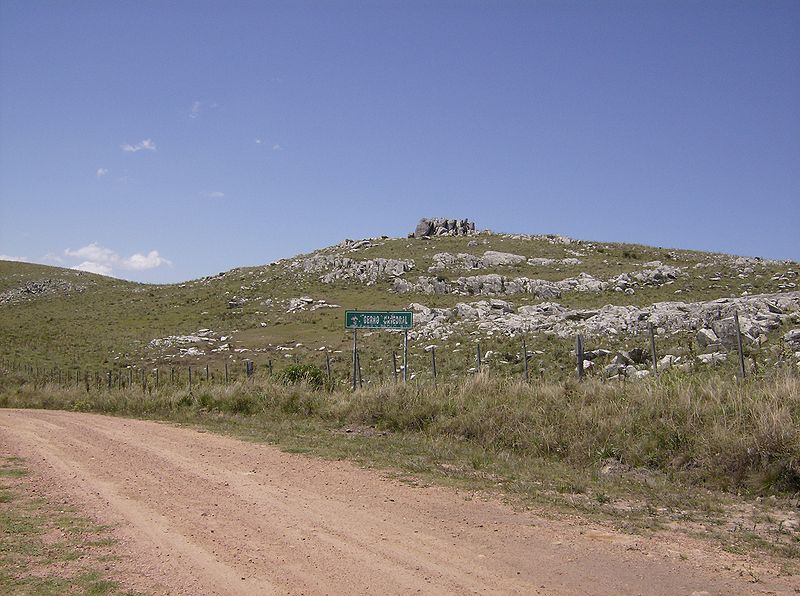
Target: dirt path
[(200, 513)]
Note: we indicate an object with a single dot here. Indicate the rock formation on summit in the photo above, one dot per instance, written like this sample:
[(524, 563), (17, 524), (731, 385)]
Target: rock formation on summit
[(443, 227)]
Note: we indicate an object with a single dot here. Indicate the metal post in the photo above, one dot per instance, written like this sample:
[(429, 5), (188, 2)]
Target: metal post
[(579, 355), (156, 377), (269, 363), (478, 358), (525, 358), (360, 378), (739, 344), (394, 366), (109, 380), (190, 379), (207, 375), (653, 349), (405, 356), (226, 373), (355, 357), (433, 363)]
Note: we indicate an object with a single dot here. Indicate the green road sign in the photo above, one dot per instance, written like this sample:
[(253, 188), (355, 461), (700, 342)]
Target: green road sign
[(378, 319)]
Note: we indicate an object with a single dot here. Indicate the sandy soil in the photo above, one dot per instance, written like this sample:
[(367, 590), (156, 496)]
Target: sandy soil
[(198, 513)]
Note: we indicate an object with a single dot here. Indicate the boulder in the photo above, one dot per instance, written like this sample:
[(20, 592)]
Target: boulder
[(707, 337), (638, 356), (443, 227), (792, 337), (713, 358), (424, 228), (492, 258)]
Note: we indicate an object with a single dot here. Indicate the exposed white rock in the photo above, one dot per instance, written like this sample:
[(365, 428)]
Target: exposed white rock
[(707, 337), (495, 284), (338, 267), (713, 358), (553, 318)]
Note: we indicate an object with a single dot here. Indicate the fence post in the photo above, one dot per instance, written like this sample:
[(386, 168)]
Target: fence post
[(207, 375), (739, 345), (109, 380), (269, 364), (433, 363), (328, 365), (156, 378), (579, 355), (653, 349), (130, 378), (478, 358), (190, 379), (525, 358), (394, 366), (226, 373)]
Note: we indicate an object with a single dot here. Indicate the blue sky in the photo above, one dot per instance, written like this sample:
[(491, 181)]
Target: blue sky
[(162, 141)]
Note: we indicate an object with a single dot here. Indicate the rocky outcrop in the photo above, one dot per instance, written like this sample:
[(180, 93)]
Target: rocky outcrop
[(337, 267), (443, 227), (307, 302), (445, 261), (39, 288), (494, 284), (757, 315)]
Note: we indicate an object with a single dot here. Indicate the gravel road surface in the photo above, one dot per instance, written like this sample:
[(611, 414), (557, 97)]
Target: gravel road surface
[(198, 513)]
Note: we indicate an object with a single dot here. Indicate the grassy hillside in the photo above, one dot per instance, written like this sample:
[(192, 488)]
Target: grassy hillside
[(100, 323)]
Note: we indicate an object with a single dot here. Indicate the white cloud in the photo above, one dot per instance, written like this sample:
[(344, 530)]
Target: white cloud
[(214, 195), (94, 252), (140, 262), (101, 172), (12, 258), (277, 147), (143, 144), (102, 260), (92, 267), (194, 111), (259, 141)]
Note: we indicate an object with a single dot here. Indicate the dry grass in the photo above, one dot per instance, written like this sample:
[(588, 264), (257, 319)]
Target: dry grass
[(707, 429)]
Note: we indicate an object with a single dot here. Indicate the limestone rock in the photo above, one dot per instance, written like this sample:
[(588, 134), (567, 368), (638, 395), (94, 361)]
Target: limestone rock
[(444, 227), (713, 358), (792, 337), (707, 337)]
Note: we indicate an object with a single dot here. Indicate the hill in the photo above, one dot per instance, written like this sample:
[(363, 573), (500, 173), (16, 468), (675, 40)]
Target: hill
[(464, 286)]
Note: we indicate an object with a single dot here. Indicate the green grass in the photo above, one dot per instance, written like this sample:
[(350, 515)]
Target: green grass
[(47, 548), (110, 324)]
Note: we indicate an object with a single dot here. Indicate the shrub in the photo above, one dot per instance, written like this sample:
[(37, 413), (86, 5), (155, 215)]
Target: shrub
[(302, 373)]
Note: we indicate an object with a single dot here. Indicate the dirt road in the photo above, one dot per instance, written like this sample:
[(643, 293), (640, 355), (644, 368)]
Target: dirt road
[(198, 513)]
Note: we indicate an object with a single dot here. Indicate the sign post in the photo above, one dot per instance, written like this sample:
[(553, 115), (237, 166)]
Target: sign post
[(398, 320), (405, 357)]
